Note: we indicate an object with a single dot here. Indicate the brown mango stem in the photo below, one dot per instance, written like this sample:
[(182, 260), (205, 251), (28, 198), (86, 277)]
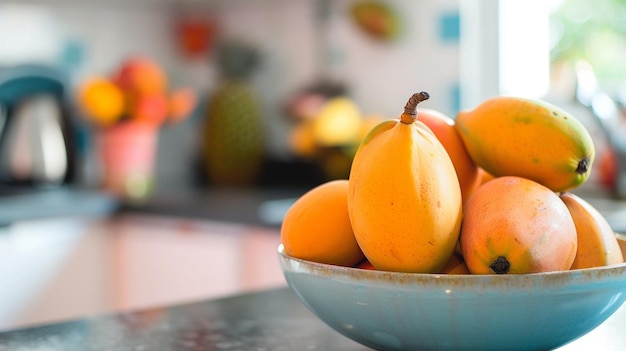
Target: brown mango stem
[(410, 109)]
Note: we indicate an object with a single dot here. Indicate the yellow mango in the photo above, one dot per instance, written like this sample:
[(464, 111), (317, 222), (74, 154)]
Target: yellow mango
[(404, 197), (510, 136)]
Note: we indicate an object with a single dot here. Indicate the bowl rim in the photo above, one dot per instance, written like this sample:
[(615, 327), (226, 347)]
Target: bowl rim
[(440, 289), (554, 277)]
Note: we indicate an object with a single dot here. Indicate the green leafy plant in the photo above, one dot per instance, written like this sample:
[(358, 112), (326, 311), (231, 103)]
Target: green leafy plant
[(594, 31)]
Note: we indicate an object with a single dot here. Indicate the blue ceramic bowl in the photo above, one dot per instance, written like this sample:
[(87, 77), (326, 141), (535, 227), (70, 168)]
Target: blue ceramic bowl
[(410, 311)]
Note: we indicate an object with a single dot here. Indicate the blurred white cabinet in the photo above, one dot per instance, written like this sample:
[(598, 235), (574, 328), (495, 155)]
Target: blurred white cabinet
[(58, 269), (159, 261)]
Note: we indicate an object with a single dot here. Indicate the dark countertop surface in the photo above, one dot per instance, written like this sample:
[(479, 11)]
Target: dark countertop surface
[(267, 320), (18, 204), (272, 319), (252, 206)]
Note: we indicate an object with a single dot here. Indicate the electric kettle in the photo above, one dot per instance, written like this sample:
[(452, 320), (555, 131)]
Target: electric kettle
[(37, 146)]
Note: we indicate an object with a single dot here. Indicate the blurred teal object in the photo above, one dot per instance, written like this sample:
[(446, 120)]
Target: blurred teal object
[(450, 27), (73, 54), (20, 82), (411, 311)]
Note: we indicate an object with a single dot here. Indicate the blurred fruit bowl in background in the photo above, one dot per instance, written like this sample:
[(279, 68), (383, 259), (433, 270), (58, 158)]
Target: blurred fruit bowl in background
[(327, 130), (127, 109), (136, 91)]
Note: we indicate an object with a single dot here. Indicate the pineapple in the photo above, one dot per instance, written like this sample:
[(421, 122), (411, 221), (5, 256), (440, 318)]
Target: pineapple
[(233, 136)]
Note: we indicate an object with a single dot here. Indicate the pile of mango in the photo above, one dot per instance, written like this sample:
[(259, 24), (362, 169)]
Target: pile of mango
[(488, 192)]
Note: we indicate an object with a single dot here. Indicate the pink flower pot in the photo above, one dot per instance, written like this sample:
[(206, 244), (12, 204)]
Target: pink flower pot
[(127, 154)]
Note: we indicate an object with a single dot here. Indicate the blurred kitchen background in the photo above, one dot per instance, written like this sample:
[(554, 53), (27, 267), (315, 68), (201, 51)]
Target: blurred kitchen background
[(291, 58), (461, 52), (300, 45)]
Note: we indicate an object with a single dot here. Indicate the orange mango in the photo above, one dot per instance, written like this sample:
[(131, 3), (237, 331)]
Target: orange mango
[(443, 127), (597, 243), (365, 264), (455, 265), (317, 226), (516, 225), (483, 176)]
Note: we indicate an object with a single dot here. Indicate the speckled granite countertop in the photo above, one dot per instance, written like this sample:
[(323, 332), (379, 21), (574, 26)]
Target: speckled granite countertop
[(267, 320), (272, 319)]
